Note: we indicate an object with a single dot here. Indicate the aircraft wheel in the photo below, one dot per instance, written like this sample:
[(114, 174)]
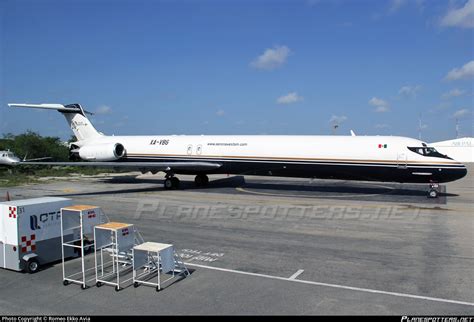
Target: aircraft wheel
[(432, 193), (201, 180), (168, 184), (175, 183)]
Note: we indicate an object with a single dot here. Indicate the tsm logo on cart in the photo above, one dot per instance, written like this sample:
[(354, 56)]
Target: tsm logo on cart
[(49, 218), (34, 222)]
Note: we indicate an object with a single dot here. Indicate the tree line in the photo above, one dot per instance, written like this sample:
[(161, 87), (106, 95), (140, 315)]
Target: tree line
[(32, 145)]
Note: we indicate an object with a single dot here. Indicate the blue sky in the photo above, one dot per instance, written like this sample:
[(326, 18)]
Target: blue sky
[(241, 67)]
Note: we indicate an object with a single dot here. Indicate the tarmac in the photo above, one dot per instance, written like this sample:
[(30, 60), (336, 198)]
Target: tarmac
[(265, 245)]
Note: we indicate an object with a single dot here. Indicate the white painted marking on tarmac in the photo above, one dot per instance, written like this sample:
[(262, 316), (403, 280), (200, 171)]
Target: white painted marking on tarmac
[(344, 287), (295, 275), (313, 196)]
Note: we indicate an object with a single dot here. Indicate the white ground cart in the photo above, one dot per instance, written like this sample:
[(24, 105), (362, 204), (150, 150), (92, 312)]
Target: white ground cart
[(113, 244), (79, 221), (156, 259), (30, 233)]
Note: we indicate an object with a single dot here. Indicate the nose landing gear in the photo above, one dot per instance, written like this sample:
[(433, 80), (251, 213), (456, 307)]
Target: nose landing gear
[(171, 182), (433, 190)]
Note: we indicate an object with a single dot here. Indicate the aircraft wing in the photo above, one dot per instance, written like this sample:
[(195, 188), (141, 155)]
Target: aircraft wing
[(157, 166)]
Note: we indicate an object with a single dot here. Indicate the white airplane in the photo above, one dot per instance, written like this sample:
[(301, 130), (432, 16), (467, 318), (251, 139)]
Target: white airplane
[(365, 158), (8, 158)]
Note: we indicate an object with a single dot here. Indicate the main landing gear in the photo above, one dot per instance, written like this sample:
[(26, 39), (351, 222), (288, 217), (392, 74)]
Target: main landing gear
[(201, 180), (433, 190), (172, 183)]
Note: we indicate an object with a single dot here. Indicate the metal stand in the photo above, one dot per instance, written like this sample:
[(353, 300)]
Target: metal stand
[(156, 258), (77, 224), (115, 240)]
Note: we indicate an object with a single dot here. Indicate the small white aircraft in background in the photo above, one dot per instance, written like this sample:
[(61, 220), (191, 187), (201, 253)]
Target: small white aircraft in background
[(8, 158), (365, 158)]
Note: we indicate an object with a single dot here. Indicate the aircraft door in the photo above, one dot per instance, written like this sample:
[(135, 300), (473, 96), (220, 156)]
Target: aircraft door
[(402, 160)]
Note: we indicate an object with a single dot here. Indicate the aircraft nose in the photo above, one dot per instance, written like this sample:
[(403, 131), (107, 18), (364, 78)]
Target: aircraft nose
[(459, 172), (14, 160), (462, 172)]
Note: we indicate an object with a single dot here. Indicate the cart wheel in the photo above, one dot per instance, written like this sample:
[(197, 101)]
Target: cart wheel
[(32, 266), (84, 287), (157, 289), (117, 288), (98, 284), (136, 284), (65, 282)]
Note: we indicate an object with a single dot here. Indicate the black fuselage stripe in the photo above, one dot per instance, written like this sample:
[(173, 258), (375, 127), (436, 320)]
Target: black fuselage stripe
[(276, 161)]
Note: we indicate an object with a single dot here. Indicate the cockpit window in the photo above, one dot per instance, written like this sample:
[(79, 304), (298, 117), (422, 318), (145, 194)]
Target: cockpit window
[(428, 152)]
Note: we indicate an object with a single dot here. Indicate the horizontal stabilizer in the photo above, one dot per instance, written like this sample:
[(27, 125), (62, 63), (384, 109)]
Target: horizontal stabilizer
[(71, 108), (75, 117)]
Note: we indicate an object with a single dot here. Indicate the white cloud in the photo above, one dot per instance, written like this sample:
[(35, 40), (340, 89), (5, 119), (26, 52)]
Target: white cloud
[(466, 71), (460, 17), (453, 93), (396, 5), (290, 98), (271, 58), (381, 106), (382, 126), (337, 119), (408, 90), (312, 2), (103, 109), (461, 113), (220, 112)]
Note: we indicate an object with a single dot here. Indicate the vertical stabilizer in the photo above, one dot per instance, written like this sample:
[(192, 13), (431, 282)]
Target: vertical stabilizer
[(75, 116)]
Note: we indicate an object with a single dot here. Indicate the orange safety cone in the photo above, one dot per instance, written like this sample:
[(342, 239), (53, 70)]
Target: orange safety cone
[(7, 198)]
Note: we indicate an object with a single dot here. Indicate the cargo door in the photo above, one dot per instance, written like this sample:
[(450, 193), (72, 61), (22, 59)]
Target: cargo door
[(9, 224), (10, 249)]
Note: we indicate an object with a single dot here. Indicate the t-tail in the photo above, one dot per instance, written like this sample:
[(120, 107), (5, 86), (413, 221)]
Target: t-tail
[(75, 116)]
